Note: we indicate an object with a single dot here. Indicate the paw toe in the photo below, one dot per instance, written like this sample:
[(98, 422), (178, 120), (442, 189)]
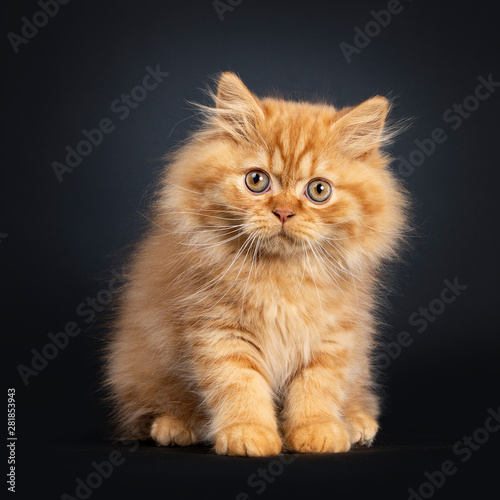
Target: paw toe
[(362, 428), (319, 437), (251, 440), (167, 430)]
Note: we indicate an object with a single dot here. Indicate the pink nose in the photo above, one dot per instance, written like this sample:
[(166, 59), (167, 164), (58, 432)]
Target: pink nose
[(283, 215)]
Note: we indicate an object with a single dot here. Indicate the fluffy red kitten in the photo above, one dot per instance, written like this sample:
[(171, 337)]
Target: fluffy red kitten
[(248, 319)]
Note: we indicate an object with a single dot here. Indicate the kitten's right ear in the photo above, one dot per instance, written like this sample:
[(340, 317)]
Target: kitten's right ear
[(361, 129), (237, 110)]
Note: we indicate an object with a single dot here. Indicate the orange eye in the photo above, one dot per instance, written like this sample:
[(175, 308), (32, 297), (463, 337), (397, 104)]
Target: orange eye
[(319, 191), (257, 181)]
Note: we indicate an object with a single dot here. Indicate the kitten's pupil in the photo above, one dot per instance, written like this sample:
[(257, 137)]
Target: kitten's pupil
[(320, 188), (256, 178)]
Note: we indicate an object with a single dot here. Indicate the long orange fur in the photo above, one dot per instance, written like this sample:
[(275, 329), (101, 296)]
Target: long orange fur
[(241, 331)]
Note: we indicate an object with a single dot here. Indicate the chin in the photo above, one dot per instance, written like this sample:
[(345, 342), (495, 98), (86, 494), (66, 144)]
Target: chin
[(282, 244)]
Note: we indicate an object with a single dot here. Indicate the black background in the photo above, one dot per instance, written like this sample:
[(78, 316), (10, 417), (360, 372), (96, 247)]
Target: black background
[(63, 238)]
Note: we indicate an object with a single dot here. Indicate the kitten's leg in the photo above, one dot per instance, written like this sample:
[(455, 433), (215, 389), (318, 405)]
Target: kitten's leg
[(178, 416), (313, 406), (361, 412), (169, 430), (238, 398)]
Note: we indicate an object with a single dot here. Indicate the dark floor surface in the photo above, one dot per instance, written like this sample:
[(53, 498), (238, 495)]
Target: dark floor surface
[(387, 470)]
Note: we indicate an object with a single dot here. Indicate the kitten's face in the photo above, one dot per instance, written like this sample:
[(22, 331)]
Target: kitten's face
[(294, 177)]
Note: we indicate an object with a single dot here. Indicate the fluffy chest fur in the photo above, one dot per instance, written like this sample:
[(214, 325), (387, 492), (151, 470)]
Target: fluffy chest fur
[(288, 331), (286, 310)]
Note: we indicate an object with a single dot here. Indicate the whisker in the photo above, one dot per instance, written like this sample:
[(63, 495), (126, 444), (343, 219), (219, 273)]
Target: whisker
[(248, 247), (314, 281), (218, 244), (184, 189), (248, 278), (198, 213), (303, 272), (215, 281), (344, 221), (211, 229), (323, 263), (337, 267)]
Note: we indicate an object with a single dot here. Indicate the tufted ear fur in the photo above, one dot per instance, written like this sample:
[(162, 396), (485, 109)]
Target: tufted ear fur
[(361, 130), (237, 110)]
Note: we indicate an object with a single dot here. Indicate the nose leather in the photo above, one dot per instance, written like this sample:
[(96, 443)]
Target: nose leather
[(283, 215)]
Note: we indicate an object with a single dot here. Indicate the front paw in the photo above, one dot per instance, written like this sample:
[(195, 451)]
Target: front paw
[(319, 437), (251, 440), (362, 428)]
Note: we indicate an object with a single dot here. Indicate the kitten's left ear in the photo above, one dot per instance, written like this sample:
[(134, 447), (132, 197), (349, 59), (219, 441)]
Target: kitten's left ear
[(237, 109), (361, 130)]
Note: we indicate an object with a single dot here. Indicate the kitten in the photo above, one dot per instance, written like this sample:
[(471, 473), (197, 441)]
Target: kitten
[(248, 320)]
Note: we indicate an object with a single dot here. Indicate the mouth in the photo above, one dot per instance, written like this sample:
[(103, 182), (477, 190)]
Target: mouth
[(283, 235)]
